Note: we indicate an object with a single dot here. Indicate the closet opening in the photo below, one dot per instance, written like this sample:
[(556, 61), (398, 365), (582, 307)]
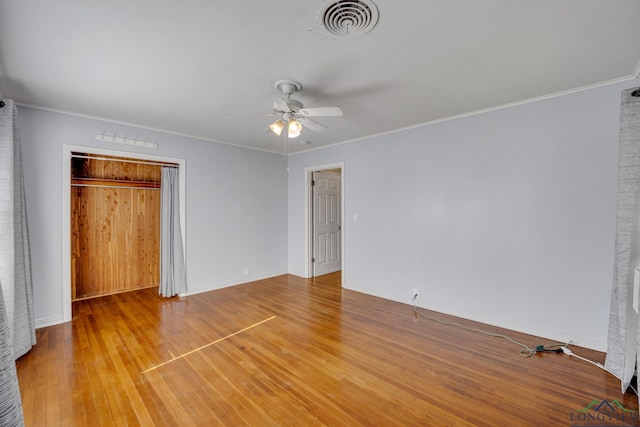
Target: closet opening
[(114, 224), (127, 157)]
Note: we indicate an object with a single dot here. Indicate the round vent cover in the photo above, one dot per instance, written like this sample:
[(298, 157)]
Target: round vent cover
[(348, 18)]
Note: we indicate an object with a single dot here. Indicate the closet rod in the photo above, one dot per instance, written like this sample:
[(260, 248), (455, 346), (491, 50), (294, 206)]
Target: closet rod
[(115, 186), (141, 162)]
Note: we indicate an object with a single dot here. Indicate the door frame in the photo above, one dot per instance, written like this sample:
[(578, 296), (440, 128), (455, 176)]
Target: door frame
[(66, 208), (308, 173)]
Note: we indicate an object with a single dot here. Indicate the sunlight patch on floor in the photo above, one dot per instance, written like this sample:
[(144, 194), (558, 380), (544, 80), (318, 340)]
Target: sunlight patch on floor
[(207, 345)]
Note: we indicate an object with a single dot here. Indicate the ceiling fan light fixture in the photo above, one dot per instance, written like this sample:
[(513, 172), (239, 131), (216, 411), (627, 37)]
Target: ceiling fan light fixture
[(276, 127), (294, 128)]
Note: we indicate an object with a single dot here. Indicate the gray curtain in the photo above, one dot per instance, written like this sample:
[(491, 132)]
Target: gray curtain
[(622, 341), (17, 324), (15, 258), (10, 401), (172, 271)]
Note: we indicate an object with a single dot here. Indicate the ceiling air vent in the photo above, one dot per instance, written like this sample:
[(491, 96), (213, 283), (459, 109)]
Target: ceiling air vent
[(348, 18)]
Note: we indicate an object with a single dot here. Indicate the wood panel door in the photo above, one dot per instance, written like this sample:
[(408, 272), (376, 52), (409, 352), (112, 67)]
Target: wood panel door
[(115, 234)]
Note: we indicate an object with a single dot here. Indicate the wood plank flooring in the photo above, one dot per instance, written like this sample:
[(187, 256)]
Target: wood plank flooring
[(288, 351)]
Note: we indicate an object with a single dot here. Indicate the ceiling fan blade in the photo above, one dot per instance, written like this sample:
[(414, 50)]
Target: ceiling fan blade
[(244, 116), (281, 104), (321, 111), (311, 124)]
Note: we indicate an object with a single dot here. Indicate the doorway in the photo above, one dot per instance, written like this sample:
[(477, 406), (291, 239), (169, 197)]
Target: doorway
[(68, 153), (325, 200)]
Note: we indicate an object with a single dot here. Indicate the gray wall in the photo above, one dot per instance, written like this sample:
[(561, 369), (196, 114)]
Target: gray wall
[(507, 217), (236, 204)]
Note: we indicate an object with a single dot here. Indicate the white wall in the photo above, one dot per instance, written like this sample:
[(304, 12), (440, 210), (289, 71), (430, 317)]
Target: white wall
[(236, 204), (507, 217)]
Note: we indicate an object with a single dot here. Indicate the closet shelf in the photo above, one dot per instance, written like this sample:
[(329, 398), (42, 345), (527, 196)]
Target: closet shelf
[(100, 182)]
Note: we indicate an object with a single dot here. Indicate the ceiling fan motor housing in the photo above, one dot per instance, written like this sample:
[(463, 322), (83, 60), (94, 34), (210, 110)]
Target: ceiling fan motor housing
[(294, 105)]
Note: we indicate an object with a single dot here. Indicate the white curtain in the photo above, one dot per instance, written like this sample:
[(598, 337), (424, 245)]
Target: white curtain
[(622, 341), (172, 271), (15, 258)]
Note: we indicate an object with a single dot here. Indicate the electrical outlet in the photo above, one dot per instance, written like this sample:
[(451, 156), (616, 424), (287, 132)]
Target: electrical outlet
[(416, 293), (246, 271)]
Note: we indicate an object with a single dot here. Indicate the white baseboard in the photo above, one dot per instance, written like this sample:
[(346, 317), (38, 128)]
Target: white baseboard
[(549, 335), (232, 282), (56, 320), (49, 321)]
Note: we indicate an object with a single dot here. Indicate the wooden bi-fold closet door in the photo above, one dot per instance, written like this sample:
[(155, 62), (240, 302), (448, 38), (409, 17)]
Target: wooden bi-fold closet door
[(115, 225)]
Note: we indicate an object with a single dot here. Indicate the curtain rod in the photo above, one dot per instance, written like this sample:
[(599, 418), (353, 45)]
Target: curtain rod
[(2, 104), (141, 162)]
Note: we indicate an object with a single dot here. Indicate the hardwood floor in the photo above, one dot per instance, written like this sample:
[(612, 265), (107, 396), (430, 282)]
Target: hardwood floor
[(292, 351)]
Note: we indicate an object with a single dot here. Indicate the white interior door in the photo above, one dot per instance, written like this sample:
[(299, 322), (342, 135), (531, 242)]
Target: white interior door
[(327, 230)]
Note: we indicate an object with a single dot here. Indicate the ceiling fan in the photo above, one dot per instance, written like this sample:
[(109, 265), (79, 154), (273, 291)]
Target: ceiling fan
[(294, 115)]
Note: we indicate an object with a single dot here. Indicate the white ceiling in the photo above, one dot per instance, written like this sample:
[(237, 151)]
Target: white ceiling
[(186, 66)]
